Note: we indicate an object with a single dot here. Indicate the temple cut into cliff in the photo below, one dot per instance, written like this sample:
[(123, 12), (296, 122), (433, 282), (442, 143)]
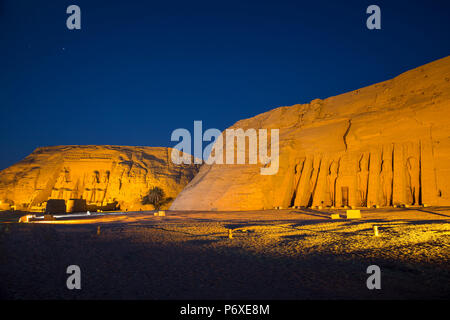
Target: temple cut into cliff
[(91, 178), (387, 144)]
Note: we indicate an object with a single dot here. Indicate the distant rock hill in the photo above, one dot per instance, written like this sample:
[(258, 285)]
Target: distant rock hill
[(386, 144), (105, 176)]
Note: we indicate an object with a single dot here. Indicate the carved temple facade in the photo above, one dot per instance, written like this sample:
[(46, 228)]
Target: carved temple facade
[(392, 175), (103, 177), (387, 144)]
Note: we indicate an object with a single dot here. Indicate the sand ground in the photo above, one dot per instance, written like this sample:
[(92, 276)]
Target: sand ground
[(283, 254)]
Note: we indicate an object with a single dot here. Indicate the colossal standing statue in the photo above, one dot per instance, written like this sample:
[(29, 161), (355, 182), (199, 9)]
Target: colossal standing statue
[(100, 191), (298, 172), (58, 191), (332, 176), (89, 191), (298, 169), (386, 176), (363, 176), (67, 188)]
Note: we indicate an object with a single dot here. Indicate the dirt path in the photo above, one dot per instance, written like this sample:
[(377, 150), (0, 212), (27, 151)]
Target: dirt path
[(285, 254)]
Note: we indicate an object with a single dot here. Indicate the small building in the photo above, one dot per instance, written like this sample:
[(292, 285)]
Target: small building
[(55, 206), (76, 205)]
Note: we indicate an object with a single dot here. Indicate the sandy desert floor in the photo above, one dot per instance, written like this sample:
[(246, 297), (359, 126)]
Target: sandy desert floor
[(283, 254)]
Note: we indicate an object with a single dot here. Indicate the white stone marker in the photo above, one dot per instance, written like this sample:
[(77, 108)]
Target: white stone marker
[(353, 214), (375, 231)]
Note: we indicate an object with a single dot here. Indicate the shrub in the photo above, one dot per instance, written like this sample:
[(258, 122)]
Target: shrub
[(156, 197)]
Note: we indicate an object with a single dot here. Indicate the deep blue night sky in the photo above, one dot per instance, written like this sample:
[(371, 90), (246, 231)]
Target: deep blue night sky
[(137, 70)]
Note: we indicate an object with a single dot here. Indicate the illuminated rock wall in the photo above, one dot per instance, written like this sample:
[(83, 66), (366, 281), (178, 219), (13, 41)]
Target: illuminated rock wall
[(386, 144), (101, 175)]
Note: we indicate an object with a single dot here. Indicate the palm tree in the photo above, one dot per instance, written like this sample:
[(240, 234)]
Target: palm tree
[(156, 197)]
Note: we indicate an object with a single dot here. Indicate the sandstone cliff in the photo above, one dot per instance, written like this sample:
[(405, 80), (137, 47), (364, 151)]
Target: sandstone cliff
[(102, 175), (386, 144)]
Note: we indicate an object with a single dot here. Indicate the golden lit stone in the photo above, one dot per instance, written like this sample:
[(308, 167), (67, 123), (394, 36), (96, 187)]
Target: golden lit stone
[(383, 145), (95, 178)]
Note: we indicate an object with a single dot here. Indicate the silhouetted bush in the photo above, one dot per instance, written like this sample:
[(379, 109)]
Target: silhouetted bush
[(156, 197)]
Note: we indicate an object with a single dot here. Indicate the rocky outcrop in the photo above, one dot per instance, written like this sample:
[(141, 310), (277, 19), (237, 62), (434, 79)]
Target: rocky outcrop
[(383, 145), (105, 176)]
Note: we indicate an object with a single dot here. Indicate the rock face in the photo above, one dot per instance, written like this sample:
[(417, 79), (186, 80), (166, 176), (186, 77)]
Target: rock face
[(104, 176), (386, 144)]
